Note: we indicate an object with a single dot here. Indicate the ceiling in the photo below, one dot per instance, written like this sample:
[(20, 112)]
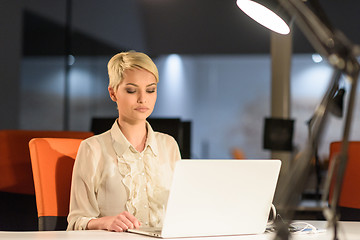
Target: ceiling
[(44, 37), (187, 27), (219, 27)]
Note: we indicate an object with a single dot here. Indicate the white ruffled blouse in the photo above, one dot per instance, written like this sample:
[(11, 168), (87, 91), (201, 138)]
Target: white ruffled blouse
[(110, 176)]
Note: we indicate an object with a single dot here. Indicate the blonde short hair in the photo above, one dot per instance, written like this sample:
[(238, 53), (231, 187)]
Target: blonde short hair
[(129, 60)]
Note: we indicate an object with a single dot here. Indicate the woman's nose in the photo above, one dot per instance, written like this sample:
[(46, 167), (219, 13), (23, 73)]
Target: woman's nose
[(141, 98)]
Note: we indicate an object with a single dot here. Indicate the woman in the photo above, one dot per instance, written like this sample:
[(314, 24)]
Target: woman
[(121, 178)]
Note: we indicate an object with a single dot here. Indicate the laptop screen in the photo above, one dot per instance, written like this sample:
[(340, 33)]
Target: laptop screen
[(220, 197)]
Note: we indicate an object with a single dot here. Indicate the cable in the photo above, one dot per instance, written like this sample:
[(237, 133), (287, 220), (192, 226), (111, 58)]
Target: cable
[(303, 228)]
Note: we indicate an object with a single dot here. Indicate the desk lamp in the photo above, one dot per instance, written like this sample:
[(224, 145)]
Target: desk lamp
[(341, 54)]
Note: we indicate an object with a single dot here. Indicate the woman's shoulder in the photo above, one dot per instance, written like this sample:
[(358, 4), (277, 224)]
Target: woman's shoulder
[(95, 141), (97, 138), (166, 141), (91, 149), (160, 136)]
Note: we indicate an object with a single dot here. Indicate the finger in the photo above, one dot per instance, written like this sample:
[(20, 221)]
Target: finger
[(116, 228), (125, 223), (136, 223)]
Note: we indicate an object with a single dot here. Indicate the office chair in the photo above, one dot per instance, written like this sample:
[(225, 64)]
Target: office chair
[(17, 193), (349, 201), (52, 162)]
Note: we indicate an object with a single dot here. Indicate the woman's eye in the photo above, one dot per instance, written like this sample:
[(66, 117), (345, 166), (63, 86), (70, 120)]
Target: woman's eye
[(151, 90), (130, 90)]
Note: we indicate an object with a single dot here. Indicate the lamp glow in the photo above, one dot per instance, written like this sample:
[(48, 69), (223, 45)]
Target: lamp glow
[(264, 16), (316, 58)]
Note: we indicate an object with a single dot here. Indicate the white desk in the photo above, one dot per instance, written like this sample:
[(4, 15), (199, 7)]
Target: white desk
[(348, 231)]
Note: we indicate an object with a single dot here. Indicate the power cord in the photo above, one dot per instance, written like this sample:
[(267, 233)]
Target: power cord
[(299, 227), (303, 228)]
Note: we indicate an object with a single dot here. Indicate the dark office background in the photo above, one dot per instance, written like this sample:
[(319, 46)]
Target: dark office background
[(34, 42), (214, 65)]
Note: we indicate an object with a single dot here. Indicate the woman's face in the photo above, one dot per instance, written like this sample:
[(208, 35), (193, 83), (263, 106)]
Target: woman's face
[(136, 95)]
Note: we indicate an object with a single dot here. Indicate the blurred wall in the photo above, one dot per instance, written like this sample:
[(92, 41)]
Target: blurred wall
[(116, 23), (225, 97), (10, 60)]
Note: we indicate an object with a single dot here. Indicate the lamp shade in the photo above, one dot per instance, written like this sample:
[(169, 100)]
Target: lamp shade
[(266, 12)]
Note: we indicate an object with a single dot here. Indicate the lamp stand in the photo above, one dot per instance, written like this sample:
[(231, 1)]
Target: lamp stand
[(341, 54)]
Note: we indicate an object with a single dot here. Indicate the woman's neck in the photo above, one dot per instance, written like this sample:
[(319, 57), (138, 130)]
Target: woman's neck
[(135, 133)]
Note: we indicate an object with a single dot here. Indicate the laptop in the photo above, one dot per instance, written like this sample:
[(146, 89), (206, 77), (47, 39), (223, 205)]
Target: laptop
[(218, 198)]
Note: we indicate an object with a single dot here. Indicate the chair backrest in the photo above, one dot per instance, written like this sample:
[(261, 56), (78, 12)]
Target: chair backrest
[(15, 166), (52, 162), (350, 191)]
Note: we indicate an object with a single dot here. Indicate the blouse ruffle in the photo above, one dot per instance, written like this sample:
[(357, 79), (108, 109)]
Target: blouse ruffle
[(157, 188)]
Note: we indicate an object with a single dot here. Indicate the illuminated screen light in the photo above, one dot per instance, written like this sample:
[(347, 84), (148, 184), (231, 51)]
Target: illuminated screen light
[(311, 81), (174, 73), (264, 16), (174, 91), (71, 60), (316, 58), (174, 66)]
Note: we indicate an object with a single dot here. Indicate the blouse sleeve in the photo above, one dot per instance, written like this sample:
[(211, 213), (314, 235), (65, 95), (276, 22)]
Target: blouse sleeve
[(174, 149), (177, 155), (83, 203)]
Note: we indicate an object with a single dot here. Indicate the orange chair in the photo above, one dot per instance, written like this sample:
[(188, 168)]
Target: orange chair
[(15, 165), (17, 194), (52, 162), (237, 153), (349, 201)]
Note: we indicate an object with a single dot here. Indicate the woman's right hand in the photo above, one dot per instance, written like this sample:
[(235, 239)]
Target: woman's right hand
[(118, 223)]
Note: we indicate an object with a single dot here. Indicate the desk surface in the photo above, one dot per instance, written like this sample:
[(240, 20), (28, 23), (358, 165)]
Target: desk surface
[(348, 231)]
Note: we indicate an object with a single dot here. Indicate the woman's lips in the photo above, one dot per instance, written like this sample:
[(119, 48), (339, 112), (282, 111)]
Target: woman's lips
[(142, 109)]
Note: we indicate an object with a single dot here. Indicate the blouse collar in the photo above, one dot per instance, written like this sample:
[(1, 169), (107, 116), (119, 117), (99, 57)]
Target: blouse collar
[(121, 144)]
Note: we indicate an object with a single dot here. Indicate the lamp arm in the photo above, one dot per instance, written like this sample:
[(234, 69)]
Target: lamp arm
[(290, 192), (327, 41), (318, 10), (341, 55), (338, 165)]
